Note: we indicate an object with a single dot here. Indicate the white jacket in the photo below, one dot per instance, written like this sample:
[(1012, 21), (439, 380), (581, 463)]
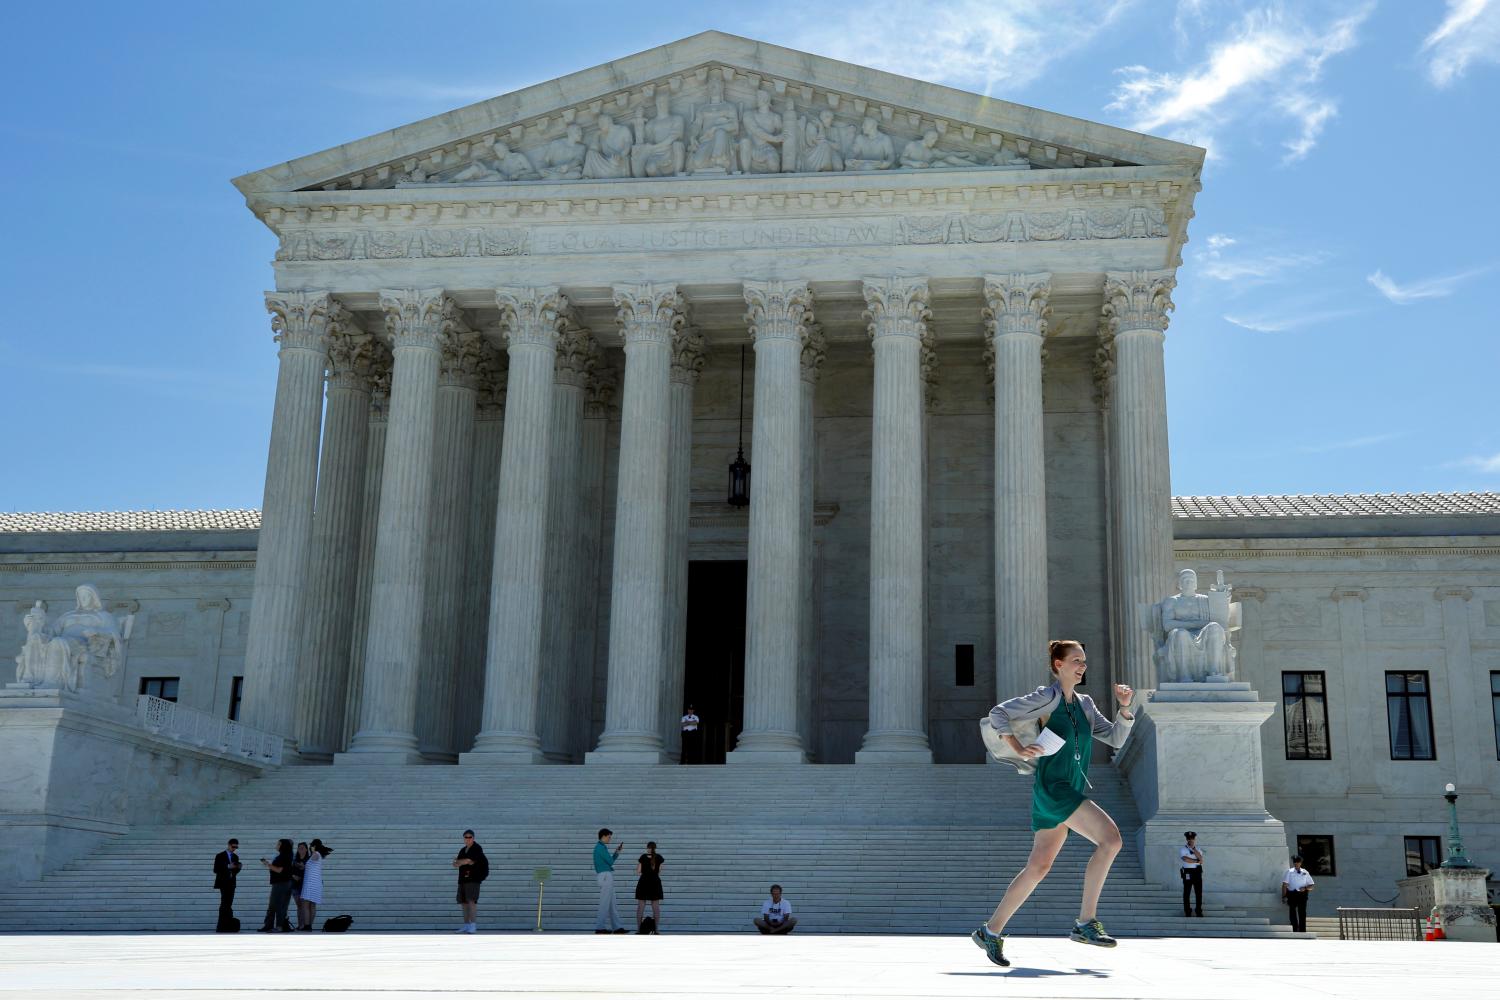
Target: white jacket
[(1021, 718)]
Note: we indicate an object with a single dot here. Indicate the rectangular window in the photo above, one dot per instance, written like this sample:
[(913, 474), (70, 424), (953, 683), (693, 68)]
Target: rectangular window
[(1317, 854), (164, 688), (1304, 702), (1495, 707), (1423, 854), (963, 665), (236, 689), (1408, 709)]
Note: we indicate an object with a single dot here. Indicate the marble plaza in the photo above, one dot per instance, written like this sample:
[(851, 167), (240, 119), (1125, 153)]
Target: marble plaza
[(812, 396)]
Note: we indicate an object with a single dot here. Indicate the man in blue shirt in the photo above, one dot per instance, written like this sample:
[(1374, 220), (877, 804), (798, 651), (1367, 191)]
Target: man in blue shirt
[(604, 873)]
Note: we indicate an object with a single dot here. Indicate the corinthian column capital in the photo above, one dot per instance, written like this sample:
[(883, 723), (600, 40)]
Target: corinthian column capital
[(814, 350), (352, 353), (1016, 304), (416, 317), (687, 356), (649, 311), (532, 314), (491, 372), (299, 320), (603, 381), (462, 349), (1138, 300), (779, 310), (577, 354), (896, 307)]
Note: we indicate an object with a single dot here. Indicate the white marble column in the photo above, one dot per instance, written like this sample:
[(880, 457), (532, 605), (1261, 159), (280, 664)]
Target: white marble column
[(590, 538), (447, 542), (300, 321), (533, 318), (778, 316), (1015, 317), (687, 365), (576, 356), (489, 429), (369, 522), (323, 684), (1136, 304), (649, 314), (814, 350), (898, 314), (416, 319)]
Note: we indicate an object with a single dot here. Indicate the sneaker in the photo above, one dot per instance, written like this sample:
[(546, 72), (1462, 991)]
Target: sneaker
[(621, 930), (994, 947), (1093, 933), (471, 929)]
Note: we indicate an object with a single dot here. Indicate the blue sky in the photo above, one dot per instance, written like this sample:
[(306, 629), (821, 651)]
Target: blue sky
[(1336, 313)]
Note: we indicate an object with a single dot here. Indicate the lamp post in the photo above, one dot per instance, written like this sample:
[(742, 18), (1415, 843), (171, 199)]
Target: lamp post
[(739, 469), (1456, 858)]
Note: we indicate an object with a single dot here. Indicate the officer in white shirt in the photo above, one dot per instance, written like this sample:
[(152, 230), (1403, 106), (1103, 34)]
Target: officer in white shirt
[(1295, 885), (1190, 861), (692, 745), (776, 914)]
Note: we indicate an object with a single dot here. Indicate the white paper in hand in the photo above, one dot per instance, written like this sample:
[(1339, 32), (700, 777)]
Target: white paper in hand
[(1050, 742)]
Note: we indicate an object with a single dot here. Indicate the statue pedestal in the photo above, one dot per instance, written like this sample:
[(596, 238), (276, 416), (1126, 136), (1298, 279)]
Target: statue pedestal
[(1193, 763), (1461, 905)]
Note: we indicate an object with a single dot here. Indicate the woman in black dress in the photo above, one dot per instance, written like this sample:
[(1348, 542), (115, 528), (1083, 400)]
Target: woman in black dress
[(648, 888)]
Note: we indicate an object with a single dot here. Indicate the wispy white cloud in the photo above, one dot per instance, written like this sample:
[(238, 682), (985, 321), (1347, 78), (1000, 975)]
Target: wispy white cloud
[(1268, 64), (1366, 441), (1469, 33), (1489, 464), (1289, 318), (420, 91), (1430, 288), (1216, 260), (979, 45)]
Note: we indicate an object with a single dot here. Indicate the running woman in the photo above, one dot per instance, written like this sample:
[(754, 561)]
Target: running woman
[(1059, 797)]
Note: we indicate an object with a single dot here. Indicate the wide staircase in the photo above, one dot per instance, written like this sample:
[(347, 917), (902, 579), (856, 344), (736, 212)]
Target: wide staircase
[(912, 850)]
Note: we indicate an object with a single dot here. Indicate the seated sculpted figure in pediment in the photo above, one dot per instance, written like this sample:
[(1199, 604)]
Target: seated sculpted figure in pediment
[(820, 148), (661, 153), (760, 149), (562, 158), (923, 152), (609, 152), (872, 149), (716, 127)]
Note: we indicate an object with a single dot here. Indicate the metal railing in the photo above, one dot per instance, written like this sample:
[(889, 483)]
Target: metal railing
[(1367, 923), (209, 732)]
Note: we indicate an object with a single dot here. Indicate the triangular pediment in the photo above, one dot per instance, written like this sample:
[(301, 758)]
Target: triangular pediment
[(717, 104)]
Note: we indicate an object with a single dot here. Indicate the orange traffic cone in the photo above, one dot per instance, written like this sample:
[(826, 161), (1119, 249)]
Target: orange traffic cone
[(1427, 933), (1437, 932)]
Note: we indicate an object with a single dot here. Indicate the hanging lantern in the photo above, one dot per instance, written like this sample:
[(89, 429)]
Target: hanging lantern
[(739, 469)]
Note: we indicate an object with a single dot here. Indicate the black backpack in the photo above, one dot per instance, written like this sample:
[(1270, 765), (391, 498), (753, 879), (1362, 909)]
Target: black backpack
[(338, 924)]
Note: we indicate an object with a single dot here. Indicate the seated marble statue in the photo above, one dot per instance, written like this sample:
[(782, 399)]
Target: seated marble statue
[(609, 153), (661, 151), (498, 163), (60, 655), (760, 149), (1192, 631), (820, 148), (872, 149), (920, 153), (562, 158), (716, 127)]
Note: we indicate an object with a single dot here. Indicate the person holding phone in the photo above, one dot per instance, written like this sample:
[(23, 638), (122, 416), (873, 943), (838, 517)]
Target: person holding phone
[(607, 921), (1059, 800)]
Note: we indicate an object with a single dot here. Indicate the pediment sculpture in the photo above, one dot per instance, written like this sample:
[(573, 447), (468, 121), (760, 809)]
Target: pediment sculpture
[(65, 653), (709, 132), (1192, 632)]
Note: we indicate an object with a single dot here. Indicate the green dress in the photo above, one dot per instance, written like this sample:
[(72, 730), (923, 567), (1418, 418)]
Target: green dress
[(1062, 779)]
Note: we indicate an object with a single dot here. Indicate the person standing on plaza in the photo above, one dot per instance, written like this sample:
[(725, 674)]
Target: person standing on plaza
[(280, 870), (607, 921), (1190, 862), (692, 738), (299, 865), (1295, 885), (648, 887), (473, 868), (1059, 800), (226, 873), (312, 884)]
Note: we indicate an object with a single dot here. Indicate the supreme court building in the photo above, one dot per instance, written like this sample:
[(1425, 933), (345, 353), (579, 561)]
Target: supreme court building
[(530, 315)]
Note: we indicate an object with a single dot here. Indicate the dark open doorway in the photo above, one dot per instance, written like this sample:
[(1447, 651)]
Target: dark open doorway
[(715, 679)]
